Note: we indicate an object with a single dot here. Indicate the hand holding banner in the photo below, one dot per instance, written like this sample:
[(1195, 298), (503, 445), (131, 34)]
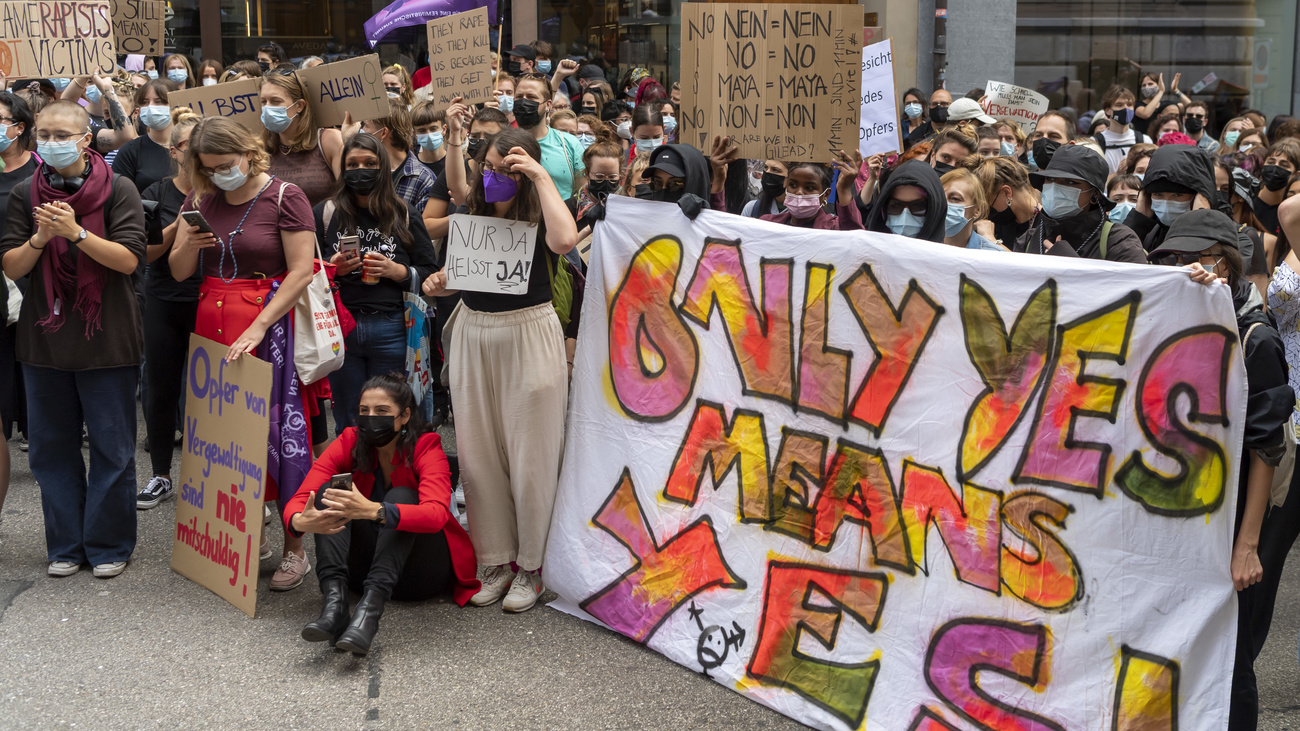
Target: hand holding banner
[(460, 58), (1014, 103), (355, 85), (879, 130)]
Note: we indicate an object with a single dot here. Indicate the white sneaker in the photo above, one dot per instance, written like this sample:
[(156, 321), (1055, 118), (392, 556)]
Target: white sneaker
[(524, 592), (158, 490), (264, 548), (63, 568), (266, 515), (109, 570), (495, 581)]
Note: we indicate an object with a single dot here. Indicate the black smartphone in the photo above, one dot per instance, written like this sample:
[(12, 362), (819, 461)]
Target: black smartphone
[(194, 218), (338, 482)]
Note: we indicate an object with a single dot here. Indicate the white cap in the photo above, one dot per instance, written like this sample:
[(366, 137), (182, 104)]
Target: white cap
[(963, 109)]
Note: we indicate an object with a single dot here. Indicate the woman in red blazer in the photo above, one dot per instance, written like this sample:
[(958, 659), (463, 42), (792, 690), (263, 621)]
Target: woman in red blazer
[(390, 534)]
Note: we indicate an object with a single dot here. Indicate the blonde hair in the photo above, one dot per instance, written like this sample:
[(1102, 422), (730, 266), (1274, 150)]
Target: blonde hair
[(305, 136), (190, 81), (408, 92), (183, 118), (401, 133), (995, 172), (563, 114), (637, 168), (1018, 133), (221, 136), (979, 200)]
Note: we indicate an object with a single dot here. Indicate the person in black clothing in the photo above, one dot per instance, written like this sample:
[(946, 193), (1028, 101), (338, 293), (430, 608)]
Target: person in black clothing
[(1074, 212), (1206, 241), (392, 255), (169, 311), (940, 100), (146, 159), (911, 202), (1281, 162)]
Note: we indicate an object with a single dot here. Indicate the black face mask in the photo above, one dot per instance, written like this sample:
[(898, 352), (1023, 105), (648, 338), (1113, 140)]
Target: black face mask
[(666, 196), (1274, 177), (939, 114), (943, 168), (1006, 216), (512, 68), (376, 431), (643, 192), (528, 113), (773, 184), (265, 66), (589, 110), (599, 189), (361, 180), (1044, 149), (1194, 124), (474, 145)]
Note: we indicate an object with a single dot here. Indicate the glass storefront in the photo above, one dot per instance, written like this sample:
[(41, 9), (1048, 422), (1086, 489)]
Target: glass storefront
[(1233, 54), (624, 34)]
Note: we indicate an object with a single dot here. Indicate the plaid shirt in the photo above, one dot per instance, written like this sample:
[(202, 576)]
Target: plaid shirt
[(413, 183)]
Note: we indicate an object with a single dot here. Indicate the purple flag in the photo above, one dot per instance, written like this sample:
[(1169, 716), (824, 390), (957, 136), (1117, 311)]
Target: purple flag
[(407, 13)]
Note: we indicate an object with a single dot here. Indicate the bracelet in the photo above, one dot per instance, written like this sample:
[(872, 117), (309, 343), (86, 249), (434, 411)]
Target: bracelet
[(34, 246)]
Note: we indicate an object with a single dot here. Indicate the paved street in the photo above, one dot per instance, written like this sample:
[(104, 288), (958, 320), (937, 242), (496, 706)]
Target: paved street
[(150, 649)]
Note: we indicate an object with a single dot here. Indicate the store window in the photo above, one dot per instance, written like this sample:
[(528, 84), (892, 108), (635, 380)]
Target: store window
[(618, 34), (1232, 54), (331, 26)]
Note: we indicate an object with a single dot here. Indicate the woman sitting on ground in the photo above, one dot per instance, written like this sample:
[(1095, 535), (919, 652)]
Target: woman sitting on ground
[(390, 534)]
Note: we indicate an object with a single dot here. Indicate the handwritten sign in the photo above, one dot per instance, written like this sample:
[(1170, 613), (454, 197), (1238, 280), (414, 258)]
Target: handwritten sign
[(878, 131), (139, 26), (878, 483), (355, 85), (780, 79), (460, 58), (872, 34), (486, 254), (223, 470), (237, 100), (55, 39), (1014, 103)]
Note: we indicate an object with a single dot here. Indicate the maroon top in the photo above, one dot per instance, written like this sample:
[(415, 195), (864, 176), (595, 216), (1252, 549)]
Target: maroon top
[(848, 219), (257, 251), (307, 169)]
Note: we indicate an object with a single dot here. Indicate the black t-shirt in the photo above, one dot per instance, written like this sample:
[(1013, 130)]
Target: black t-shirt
[(440, 191), (436, 167), (385, 295), (539, 283), (143, 161), (10, 178), (160, 283)]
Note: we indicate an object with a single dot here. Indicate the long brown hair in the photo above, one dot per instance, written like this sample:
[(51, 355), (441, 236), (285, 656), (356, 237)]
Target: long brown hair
[(389, 211), (527, 205), (304, 138)]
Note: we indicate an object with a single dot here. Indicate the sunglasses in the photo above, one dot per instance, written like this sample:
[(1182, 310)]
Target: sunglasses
[(917, 207)]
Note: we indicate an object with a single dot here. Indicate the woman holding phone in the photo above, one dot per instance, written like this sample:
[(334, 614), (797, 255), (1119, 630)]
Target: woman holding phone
[(379, 248), (378, 502)]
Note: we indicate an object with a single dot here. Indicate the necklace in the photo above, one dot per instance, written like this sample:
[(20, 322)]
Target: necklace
[(229, 243)]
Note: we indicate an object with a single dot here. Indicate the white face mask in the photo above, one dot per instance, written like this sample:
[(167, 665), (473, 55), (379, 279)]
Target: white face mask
[(209, 81), (648, 145)]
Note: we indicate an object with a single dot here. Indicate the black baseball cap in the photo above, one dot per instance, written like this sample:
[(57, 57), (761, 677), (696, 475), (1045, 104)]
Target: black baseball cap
[(667, 159), (591, 72), (524, 51), (1197, 231)]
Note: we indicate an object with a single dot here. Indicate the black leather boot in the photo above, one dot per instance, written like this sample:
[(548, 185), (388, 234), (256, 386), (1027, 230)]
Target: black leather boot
[(361, 631), (333, 614)]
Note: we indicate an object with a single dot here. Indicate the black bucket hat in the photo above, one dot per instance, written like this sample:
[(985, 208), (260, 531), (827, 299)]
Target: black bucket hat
[(1076, 162)]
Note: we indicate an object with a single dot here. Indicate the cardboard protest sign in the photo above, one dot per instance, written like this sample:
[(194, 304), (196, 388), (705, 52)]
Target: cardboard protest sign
[(139, 26), (223, 467), (40, 39), (864, 479), (486, 254), (355, 85), (878, 130), (780, 79), (872, 34), (237, 100), (460, 58), (1014, 103)]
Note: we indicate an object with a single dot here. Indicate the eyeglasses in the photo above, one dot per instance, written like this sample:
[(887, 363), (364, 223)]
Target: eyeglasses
[(394, 89), (918, 207), (8, 120), (672, 186), (61, 137), (209, 172), (943, 105), (499, 172), (1183, 258), (1195, 116), (604, 178)]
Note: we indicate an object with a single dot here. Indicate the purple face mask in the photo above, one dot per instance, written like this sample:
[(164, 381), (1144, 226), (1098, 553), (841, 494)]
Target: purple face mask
[(498, 188)]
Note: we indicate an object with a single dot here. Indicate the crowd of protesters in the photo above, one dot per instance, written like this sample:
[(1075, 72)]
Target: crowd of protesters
[(98, 170)]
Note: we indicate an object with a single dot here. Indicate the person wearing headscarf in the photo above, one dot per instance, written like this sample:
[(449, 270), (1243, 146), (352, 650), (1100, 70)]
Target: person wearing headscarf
[(910, 202)]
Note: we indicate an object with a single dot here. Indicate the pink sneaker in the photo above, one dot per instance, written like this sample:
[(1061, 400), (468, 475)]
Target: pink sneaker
[(293, 569)]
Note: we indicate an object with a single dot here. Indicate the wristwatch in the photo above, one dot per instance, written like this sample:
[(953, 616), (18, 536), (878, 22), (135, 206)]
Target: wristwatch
[(81, 237), (379, 515)]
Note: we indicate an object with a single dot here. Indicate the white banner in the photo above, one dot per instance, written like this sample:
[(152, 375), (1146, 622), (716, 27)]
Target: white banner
[(486, 254), (1014, 103), (878, 131), (818, 468)]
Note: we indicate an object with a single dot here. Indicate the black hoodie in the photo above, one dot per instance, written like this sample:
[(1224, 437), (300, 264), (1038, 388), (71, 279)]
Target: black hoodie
[(921, 175), (699, 176), (1185, 165)]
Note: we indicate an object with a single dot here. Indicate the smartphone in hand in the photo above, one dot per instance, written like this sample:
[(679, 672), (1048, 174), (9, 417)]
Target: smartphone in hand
[(350, 247), (337, 482), (196, 219)]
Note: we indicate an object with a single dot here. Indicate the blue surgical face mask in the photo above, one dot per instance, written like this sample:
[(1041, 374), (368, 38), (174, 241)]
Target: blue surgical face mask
[(430, 141), (276, 119), (1029, 159), (1120, 212), (1060, 202), (1230, 138), (586, 140), (92, 94), (1007, 149), (670, 124), (5, 139), (156, 117), (905, 224), (648, 145), (152, 73), (544, 66), (180, 76), (1166, 211), (507, 103), (955, 221), (913, 110), (1139, 176), (231, 179), (58, 154), (60, 84)]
